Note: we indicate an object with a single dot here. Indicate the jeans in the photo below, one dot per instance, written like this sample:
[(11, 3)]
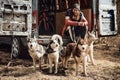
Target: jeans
[(77, 31)]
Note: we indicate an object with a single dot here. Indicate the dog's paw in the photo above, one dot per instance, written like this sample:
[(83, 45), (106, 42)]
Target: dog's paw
[(6, 67), (40, 69), (94, 64), (50, 71), (33, 68), (55, 72), (85, 74), (65, 68)]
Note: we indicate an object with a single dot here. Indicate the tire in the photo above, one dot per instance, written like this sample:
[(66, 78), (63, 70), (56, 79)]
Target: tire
[(19, 48), (16, 48)]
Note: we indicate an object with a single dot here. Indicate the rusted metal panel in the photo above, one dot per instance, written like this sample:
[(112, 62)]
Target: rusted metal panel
[(16, 18)]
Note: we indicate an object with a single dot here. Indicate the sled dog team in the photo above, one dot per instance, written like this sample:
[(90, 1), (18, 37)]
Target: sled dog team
[(81, 51)]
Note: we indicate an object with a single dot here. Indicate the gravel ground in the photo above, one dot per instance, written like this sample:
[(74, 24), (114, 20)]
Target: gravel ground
[(107, 60)]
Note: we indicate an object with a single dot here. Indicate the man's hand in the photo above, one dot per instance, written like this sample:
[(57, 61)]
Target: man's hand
[(81, 23)]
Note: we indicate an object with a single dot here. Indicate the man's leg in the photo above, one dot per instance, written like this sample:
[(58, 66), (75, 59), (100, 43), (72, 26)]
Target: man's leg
[(83, 31), (72, 33)]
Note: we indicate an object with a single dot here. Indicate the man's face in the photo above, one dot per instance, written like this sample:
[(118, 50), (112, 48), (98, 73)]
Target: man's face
[(76, 11)]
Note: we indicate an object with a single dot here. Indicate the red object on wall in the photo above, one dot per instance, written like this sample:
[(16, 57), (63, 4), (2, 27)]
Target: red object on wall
[(34, 18)]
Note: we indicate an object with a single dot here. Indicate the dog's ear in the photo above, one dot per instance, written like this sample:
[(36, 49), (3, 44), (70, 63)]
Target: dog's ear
[(79, 40), (85, 40), (48, 46), (51, 41), (92, 35), (58, 41), (35, 37), (58, 38), (89, 33), (28, 38)]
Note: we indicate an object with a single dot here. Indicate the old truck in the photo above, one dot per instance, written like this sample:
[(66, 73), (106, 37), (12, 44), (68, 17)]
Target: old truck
[(15, 23), (43, 18)]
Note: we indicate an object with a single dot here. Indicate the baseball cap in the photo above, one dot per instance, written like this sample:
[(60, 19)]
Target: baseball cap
[(76, 5)]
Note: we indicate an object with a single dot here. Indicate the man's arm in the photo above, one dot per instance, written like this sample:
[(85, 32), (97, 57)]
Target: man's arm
[(83, 20), (68, 22)]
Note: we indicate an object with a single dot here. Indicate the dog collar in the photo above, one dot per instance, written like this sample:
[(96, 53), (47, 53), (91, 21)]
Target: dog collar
[(49, 50)]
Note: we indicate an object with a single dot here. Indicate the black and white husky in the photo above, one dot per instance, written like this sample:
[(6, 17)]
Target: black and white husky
[(53, 50)]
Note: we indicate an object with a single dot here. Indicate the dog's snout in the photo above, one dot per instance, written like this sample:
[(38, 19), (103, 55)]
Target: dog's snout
[(83, 48), (31, 46), (56, 45)]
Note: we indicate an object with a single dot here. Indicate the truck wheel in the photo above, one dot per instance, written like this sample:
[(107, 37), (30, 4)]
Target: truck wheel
[(15, 48)]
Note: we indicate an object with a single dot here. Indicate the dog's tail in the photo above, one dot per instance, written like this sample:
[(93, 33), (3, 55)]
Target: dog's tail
[(58, 38)]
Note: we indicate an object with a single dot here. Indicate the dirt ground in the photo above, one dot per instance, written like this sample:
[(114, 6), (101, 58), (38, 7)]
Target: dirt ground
[(106, 55)]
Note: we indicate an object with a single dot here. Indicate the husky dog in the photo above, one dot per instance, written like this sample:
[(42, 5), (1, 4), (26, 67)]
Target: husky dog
[(80, 51), (36, 51), (91, 38), (54, 48)]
